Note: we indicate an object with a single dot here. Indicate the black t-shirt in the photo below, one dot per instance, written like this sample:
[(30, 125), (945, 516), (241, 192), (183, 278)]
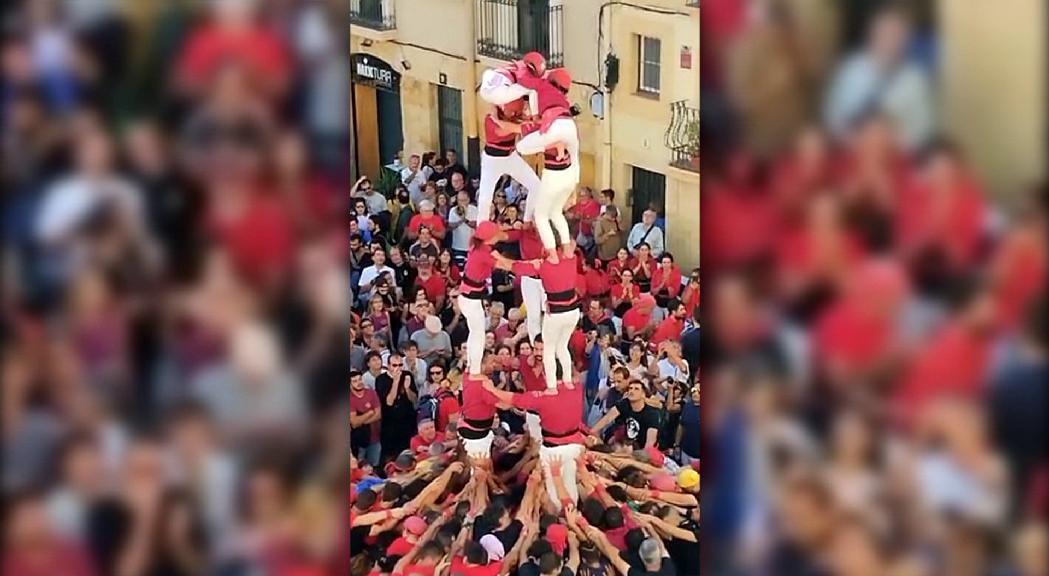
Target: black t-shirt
[(666, 569), (508, 536), (402, 413), (684, 553), (637, 423), (531, 569)]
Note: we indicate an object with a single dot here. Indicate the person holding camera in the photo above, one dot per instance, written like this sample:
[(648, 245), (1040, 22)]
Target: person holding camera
[(462, 220)]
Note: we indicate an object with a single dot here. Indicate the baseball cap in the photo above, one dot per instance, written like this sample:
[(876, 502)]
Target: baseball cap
[(557, 536), (688, 478), (655, 456), (415, 525), (486, 231), (433, 324)]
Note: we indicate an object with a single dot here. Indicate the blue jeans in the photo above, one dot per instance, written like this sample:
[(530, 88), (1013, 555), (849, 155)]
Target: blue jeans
[(371, 454)]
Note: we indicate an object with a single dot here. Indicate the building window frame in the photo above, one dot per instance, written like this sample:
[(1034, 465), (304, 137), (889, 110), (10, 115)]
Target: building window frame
[(649, 65)]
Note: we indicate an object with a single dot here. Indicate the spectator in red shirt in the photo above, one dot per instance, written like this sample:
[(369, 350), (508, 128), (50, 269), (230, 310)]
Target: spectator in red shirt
[(957, 360), (666, 280), (427, 436), (624, 294), (446, 267), (234, 36), (598, 284), (585, 211), (434, 284), (941, 219), (672, 326), (623, 261), (365, 418), (638, 320), (429, 218), (256, 231), (31, 548), (690, 294)]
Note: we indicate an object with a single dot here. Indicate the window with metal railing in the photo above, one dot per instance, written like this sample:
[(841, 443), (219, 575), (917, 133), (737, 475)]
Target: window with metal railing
[(374, 14), (682, 136), (508, 29)]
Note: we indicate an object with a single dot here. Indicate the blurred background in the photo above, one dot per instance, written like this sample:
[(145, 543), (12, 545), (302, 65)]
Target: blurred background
[(874, 259), (174, 315)]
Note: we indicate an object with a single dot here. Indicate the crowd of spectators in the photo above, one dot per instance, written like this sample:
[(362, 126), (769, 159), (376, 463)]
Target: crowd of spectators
[(874, 341), (635, 352), (174, 318)]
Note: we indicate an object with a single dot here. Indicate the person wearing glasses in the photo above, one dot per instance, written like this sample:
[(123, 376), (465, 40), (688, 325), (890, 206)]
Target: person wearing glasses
[(398, 395)]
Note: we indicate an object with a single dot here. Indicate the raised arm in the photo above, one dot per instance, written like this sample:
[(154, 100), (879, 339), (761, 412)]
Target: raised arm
[(605, 420), (607, 549)]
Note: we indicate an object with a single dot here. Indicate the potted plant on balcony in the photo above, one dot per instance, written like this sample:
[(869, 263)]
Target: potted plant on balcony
[(692, 140)]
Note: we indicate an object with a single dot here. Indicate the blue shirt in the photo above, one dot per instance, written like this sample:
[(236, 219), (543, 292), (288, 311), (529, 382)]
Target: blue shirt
[(690, 425)]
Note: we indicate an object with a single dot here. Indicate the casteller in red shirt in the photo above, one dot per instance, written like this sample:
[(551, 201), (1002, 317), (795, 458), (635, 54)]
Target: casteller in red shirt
[(420, 444), (560, 413)]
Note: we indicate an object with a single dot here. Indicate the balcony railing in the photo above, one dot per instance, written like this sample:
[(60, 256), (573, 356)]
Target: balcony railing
[(682, 136), (374, 14), (507, 29)]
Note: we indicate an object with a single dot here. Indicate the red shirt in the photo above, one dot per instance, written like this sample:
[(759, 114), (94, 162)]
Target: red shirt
[(531, 245), (669, 329), (420, 444), (618, 290), (260, 240), (559, 281), (597, 283), (448, 406), (400, 547), (636, 320), (64, 559), (742, 224), (433, 222), (577, 345), (532, 377), (479, 266), (616, 267), (559, 413), (459, 566), (587, 211), (671, 280), (366, 402), (851, 337), (261, 50), (452, 275), (495, 137), (691, 300), (954, 224), (956, 362), (434, 286), (478, 403)]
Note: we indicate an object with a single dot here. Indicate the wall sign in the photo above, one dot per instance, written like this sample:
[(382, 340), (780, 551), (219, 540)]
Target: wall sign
[(371, 71), (686, 57)]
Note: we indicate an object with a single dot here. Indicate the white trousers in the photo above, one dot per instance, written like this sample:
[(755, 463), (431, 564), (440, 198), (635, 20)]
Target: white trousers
[(478, 449), (473, 311), (533, 427), (556, 185), (568, 455), (499, 90), (535, 302), (557, 330), (493, 168)]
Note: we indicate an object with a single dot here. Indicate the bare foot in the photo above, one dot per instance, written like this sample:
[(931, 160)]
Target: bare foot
[(569, 385)]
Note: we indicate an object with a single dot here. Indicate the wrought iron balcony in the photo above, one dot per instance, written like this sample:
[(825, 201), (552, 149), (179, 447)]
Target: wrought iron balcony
[(507, 29), (682, 136), (374, 14)]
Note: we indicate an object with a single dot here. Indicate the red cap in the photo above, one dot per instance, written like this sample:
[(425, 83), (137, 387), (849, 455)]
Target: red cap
[(655, 456), (535, 62), (486, 231), (557, 536), (561, 78)]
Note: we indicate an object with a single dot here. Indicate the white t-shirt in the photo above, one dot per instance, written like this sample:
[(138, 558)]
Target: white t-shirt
[(462, 235), (668, 370), (415, 185), (369, 274)]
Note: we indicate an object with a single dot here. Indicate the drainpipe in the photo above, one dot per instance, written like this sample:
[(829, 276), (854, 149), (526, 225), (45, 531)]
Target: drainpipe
[(470, 118), (606, 118)]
